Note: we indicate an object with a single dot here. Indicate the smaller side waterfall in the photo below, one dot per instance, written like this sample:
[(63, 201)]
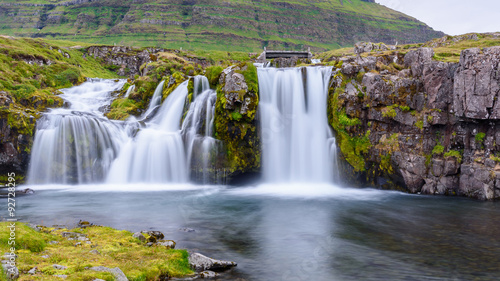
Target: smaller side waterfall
[(157, 153), (129, 90), (202, 149), (200, 84), (155, 99), (76, 145)]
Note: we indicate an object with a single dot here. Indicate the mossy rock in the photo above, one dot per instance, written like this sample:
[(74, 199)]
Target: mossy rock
[(235, 123)]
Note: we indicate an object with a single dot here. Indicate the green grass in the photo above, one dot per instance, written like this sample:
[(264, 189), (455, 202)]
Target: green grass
[(235, 25), (116, 249)]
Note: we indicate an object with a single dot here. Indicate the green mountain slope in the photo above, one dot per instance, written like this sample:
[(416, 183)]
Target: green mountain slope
[(235, 25)]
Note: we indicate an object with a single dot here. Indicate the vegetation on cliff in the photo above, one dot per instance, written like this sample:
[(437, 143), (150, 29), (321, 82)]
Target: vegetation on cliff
[(235, 111), (80, 249), (215, 24)]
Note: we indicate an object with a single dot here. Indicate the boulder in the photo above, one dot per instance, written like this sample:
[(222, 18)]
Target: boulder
[(139, 236), (117, 272), (417, 60), (170, 244), (200, 262)]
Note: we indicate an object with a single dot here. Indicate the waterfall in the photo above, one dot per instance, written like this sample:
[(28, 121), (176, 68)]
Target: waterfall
[(202, 149), (157, 153), (155, 99), (298, 145), (129, 90), (76, 145), (200, 84)]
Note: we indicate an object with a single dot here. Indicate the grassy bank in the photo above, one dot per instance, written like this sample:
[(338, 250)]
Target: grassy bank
[(105, 247)]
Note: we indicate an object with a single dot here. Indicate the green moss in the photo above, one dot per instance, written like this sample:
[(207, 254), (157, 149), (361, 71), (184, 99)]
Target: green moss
[(480, 137), (389, 111), (236, 116), (213, 73), (174, 81), (353, 146), (419, 124), (405, 108), (345, 121), (438, 149), (122, 108), (251, 78), (495, 158), (385, 164), (238, 132), (454, 153)]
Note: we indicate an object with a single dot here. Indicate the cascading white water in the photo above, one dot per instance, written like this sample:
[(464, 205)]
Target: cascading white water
[(76, 145), (298, 145), (201, 148), (129, 90), (155, 99), (200, 84), (157, 153)]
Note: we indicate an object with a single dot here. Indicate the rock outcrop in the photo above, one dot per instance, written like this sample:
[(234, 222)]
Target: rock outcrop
[(433, 126), (126, 60)]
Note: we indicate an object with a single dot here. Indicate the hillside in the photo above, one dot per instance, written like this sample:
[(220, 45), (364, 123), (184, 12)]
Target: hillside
[(235, 25)]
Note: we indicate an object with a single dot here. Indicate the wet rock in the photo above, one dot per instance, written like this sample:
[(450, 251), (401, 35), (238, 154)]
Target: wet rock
[(170, 244), (208, 274), (447, 185), (200, 262), (187, 229), (117, 272), (153, 236), (84, 224), (139, 236), (285, 62), (476, 181), (413, 169)]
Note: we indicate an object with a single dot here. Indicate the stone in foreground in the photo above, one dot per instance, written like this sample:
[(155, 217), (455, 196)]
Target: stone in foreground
[(200, 262)]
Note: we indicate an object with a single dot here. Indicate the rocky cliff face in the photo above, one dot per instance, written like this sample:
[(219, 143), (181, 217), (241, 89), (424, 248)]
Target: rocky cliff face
[(433, 126)]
